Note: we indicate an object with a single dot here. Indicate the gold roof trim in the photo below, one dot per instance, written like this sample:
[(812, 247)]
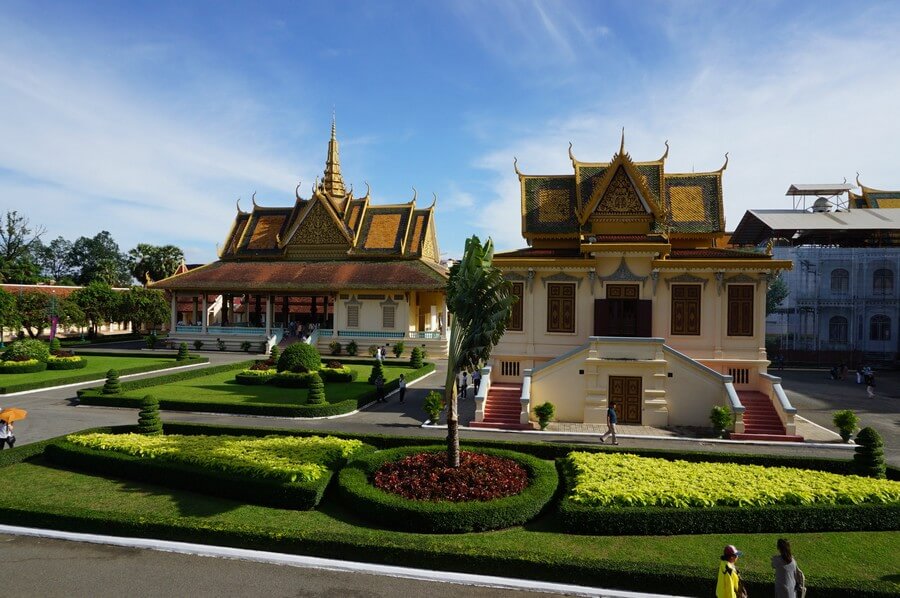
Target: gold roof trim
[(623, 160)]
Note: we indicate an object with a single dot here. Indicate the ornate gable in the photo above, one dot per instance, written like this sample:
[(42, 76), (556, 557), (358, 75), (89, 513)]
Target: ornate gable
[(620, 197), (318, 234), (621, 190)]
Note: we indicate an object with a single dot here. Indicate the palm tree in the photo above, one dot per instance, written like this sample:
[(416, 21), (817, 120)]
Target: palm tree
[(481, 301)]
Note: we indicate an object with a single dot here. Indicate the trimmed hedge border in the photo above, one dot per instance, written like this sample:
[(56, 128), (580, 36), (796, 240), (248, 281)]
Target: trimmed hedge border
[(287, 495), (442, 517), (76, 378), (247, 379), (66, 363), (661, 521), (93, 396), (22, 367)]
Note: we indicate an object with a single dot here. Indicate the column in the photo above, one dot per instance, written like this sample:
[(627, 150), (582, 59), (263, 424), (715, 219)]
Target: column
[(285, 311), (226, 300), (173, 316), (446, 317), (337, 315), (269, 315), (433, 322), (258, 310), (204, 317), (194, 311)]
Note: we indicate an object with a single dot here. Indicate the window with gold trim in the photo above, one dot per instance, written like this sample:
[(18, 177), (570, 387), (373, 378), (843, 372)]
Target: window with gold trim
[(686, 309), (740, 309), (516, 321), (560, 307)]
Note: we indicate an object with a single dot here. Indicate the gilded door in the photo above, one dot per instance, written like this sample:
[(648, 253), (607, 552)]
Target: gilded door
[(625, 394)]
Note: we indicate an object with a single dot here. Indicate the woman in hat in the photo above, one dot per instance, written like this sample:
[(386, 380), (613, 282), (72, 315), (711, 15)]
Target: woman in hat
[(728, 583)]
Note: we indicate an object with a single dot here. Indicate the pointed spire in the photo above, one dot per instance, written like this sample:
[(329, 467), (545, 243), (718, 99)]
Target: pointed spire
[(333, 183), (622, 144)]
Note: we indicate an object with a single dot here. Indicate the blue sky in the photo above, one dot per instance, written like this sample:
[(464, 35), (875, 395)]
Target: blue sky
[(149, 119)]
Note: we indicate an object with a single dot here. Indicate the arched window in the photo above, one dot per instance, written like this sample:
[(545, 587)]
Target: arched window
[(840, 281), (883, 281), (837, 329), (880, 328)]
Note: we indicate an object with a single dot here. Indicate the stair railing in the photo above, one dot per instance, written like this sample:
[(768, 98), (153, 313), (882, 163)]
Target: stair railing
[(737, 408), (482, 394), (525, 399), (771, 387)]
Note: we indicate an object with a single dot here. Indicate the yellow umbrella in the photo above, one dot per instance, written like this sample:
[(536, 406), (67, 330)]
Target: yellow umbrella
[(12, 414)]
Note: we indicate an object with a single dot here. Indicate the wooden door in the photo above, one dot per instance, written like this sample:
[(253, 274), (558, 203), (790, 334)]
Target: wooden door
[(625, 394)]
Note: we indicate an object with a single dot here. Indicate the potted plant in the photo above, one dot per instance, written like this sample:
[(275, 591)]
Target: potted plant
[(846, 422), (433, 405), (544, 413), (720, 418)]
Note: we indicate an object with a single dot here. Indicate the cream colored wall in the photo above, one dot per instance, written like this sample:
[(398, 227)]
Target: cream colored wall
[(370, 313), (691, 394), (562, 386)]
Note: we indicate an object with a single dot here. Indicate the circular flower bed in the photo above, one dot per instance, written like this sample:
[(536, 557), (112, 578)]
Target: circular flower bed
[(426, 476), (469, 502)]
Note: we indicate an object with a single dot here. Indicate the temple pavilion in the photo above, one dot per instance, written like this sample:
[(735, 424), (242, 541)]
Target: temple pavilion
[(629, 296), (333, 266)]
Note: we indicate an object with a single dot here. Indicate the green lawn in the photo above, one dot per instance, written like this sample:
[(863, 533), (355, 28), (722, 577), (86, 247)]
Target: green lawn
[(33, 493), (96, 369), (221, 388)]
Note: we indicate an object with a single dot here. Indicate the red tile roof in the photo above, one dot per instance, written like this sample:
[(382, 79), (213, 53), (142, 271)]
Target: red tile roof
[(308, 276)]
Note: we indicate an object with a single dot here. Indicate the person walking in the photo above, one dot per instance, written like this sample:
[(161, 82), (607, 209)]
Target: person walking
[(787, 573), (401, 384), (6, 435), (476, 380), (379, 389), (870, 384), (728, 582), (611, 421), (463, 385)]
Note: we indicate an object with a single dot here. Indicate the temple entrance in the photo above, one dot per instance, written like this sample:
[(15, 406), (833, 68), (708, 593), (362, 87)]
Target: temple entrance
[(622, 313), (625, 394)]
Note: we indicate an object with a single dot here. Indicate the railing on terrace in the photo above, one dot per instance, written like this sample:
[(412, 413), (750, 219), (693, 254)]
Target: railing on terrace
[(417, 335), (224, 330), (370, 334)]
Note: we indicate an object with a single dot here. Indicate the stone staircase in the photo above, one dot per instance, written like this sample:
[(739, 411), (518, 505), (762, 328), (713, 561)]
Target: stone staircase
[(502, 408), (761, 421)]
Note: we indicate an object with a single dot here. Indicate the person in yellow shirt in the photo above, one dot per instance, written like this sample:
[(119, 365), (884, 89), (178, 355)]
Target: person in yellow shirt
[(728, 580)]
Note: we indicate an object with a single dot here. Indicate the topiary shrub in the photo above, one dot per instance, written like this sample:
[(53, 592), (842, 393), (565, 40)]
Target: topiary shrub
[(868, 459), (198, 344), (433, 405), (377, 372), (275, 354), (245, 346), (27, 349), (544, 413), (720, 418), (300, 357), (26, 366), (151, 340), (149, 423), (316, 390), (416, 358), (352, 348), (55, 345), (71, 362), (334, 347), (112, 385), (397, 349), (373, 350), (846, 423), (182, 352)]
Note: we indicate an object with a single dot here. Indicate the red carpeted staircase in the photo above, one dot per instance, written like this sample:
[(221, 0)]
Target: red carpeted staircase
[(502, 408), (761, 421)]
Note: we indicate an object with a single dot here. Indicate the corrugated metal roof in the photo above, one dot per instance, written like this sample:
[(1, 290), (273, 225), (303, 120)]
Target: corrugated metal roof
[(758, 225), (819, 189)]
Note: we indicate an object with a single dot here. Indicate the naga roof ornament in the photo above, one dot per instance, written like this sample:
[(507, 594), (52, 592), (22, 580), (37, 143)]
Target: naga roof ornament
[(516, 166), (297, 190), (666, 153), (725, 165), (240, 211), (253, 199), (415, 195)]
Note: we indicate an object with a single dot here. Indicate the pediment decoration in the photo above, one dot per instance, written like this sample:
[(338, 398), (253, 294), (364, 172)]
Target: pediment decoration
[(561, 277), (623, 273), (319, 227), (742, 279), (686, 279), (620, 191), (514, 277), (353, 301), (388, 302)]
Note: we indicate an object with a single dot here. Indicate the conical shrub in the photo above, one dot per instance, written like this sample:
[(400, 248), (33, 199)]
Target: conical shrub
[(868, 459), (275, 354), (182, 352), (416, 358), (55, 345), (149, 423), (316, 390), (112, 386), (377, 371)]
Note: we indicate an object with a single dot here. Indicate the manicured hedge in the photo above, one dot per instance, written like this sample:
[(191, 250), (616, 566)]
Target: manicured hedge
[(398, 513), (66, 363), (264, 491), (623, 521), (254, 377), (88, 395), (29, 366), (303, 379)]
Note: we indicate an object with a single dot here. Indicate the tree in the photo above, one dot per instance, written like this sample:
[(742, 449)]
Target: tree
[(33, 309), (776, 294), (17, 242), (157, 261), (480, 300), (99, 303), (55, 260), (144, 306), (9, 314), (98, 259)]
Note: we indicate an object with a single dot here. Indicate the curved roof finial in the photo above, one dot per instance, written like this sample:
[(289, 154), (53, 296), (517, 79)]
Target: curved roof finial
[(368, 189), (350, 192), (571, 155), (516, 165), (666, 154), (415, 195), (240, 211), (297, 190), (725, 165), (434, 201), (622, 144), (845, 180), (858, 184), (253, 199)]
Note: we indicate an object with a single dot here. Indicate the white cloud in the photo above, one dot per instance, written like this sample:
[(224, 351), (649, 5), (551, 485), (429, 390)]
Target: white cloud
[(812, 110)]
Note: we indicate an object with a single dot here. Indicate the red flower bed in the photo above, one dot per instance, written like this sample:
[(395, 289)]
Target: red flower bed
[(426, 477)]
